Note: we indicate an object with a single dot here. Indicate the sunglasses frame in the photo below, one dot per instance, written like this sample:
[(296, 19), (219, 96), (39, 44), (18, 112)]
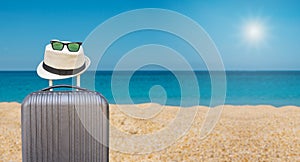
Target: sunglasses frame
[(67, 44)]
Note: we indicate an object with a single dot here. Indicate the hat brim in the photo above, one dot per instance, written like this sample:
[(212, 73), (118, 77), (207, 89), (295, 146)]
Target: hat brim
[(47, 75)]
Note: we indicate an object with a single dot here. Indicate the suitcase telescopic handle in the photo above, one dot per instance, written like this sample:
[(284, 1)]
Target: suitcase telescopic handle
[(63, 86)]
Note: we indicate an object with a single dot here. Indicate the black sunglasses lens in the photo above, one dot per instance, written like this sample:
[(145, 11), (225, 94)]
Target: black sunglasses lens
[(57, 45), (74, 47)]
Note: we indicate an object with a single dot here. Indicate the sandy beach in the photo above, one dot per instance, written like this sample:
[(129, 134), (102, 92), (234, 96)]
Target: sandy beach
[(243, 133)]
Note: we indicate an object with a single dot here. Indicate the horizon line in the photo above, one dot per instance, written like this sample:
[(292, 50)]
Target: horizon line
[(276, 70)]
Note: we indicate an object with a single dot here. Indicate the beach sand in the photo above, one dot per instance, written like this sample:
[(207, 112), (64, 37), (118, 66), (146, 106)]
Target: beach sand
[(243, 133)]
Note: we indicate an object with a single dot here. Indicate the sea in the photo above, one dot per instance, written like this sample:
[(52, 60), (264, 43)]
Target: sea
[(277, 88)]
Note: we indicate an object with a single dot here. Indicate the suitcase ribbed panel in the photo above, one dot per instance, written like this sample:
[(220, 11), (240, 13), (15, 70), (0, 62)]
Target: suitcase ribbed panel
[(52, 130)]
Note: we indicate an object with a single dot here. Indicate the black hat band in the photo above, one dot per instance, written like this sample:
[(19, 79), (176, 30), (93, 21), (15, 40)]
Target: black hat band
[(63, 71)]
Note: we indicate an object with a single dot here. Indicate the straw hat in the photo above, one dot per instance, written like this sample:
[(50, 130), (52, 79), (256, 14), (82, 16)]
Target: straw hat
[(62, 64)]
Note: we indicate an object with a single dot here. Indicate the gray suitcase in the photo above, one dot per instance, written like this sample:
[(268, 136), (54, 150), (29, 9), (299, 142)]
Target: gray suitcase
[(54, 126)]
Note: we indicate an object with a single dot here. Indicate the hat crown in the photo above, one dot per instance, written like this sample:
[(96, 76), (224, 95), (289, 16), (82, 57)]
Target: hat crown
[(63, 59)]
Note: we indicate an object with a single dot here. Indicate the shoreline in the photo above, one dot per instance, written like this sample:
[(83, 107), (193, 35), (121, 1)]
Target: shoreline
[(243, 132), (225, 105)]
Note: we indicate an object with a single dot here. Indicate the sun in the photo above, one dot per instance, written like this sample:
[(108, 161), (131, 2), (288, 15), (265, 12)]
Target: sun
[(254, 32)]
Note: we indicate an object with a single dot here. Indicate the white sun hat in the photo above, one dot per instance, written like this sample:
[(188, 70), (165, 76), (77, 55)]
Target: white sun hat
[(62, 64)]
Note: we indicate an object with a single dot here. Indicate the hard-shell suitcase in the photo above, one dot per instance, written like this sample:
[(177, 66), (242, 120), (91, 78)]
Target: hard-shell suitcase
[(65, 126)]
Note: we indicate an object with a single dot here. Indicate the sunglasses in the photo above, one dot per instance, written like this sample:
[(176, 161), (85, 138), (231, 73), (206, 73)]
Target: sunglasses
[(72, 46)]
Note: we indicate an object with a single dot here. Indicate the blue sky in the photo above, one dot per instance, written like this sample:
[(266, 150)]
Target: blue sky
[(27, 26)]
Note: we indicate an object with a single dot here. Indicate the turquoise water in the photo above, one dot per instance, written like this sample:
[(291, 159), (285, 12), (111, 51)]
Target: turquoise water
[(276, 88)]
